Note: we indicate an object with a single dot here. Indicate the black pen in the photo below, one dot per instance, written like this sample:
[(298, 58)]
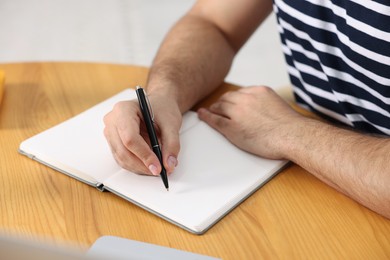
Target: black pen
[(143, 104)]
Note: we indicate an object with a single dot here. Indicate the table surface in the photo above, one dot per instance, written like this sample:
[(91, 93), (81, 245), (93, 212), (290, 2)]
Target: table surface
[(293, 216)]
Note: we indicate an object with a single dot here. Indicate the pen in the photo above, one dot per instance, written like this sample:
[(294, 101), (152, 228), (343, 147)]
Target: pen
[(143, 104)]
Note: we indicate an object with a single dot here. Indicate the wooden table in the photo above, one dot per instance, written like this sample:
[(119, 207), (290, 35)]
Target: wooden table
[(293, 216)]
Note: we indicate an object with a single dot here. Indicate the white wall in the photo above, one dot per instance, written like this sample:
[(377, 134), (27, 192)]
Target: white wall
[(120, 31)]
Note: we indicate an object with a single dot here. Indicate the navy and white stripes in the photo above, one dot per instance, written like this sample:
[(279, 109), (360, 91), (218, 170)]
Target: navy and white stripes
[(338, 58)]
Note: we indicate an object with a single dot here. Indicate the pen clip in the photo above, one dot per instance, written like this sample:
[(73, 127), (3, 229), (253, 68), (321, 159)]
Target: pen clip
[(149, 106)]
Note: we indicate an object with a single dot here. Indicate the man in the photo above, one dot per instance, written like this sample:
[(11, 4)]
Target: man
[(338, 57)]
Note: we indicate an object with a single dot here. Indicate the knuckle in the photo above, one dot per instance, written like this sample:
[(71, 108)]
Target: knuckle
[(106, 132), (121, 157), (128, 141), (215, 107), (177, 146), (127, 161), (140, 169), (106, 118), (119, 105), (220, 122), (150, 160), (264, 89), (118, 160), (127, 138), (228, 94), (173, 146)]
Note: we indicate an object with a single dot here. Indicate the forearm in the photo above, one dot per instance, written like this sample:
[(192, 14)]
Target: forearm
[(197, 53), (353, 163), (192, 61)]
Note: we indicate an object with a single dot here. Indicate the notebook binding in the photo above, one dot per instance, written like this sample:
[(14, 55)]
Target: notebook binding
[(100, 187)]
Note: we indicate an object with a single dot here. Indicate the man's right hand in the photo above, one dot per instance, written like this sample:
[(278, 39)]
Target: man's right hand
[(126, 134)]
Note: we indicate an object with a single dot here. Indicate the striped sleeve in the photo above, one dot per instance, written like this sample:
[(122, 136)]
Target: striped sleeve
[(338, 58)]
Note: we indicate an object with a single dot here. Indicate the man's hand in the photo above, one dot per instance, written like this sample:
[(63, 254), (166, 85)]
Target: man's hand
[(255, 119), (258, 121), (126, 134)]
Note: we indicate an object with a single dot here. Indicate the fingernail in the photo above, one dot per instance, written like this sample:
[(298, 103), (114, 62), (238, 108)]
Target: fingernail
[(172, 162), (153, 169)]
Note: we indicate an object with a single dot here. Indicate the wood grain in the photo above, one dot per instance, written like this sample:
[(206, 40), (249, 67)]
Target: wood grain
[(294, 216)]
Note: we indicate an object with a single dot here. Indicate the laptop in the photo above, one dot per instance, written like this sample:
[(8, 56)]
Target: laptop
[(106, 247)]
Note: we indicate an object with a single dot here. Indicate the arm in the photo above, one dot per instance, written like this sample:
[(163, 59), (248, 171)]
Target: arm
[(197, 53), (193, 60), (353, 163), (258, 121)]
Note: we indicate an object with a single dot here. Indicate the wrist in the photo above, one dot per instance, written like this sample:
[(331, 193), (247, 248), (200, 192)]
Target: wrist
[(169, 91), (293, 135)]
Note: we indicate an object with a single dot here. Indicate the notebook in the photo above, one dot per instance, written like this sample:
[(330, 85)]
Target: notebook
[(212, 178)]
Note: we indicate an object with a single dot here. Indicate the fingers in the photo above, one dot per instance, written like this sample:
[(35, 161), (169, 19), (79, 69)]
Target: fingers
[(121, 155), (216, 121), (219, 115), (225, 104), (232, 97), (128, 138), (137, 146), (231, 107), (235, 97), (130, 150), (254, 89)]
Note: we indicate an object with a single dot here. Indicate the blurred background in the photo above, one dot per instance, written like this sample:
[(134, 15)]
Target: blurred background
[(121, 32)]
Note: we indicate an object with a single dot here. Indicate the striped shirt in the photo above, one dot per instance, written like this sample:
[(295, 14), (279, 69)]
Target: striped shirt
[(338, 58)]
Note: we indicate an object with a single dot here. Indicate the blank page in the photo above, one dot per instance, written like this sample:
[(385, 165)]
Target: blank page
[(77, 146), (212, 177)]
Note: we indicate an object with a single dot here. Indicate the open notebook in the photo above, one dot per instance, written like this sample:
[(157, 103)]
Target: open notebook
[(213, 176)]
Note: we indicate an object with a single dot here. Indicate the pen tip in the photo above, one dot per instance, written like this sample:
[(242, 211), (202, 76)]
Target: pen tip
[(167, 189)]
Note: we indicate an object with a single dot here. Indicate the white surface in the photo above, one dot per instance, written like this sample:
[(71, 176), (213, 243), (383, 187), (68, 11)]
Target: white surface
[(22, 248), (105, 247), (120, 31), (121, 248)]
